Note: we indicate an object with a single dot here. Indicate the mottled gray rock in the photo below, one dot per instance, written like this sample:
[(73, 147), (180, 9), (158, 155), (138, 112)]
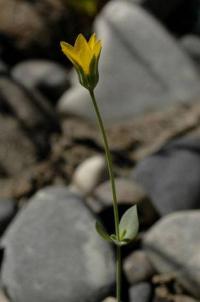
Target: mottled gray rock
[(50, 78), (140, 292), (141, 66), (137, 267), (7, 211), (171, 176), (53, 253), (173, 245)]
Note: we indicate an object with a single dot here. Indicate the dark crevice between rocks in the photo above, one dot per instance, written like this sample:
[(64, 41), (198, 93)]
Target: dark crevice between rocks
[(120, 158)]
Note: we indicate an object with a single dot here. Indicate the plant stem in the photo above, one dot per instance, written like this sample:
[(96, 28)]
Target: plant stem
[(118, 274), (112, 181)]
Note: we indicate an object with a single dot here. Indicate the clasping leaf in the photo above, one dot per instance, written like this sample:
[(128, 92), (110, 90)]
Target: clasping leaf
[(102, 232), (129, 225)]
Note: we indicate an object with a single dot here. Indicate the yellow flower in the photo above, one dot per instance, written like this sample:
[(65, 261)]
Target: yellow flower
[(84, 56)]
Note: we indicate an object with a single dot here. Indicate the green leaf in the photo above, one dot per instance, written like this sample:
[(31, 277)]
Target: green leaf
[(129, 225), (102, 232)]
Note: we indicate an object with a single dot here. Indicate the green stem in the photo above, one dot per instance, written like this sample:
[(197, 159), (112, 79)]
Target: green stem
[(118, 274), (115, 207), (109, 163)]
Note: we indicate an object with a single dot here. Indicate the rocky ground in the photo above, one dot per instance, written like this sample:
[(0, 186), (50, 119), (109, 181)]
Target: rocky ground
[(53, 177)]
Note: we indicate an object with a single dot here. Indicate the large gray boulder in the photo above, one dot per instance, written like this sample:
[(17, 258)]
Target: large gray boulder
[(171, 176), (53, 253), (141, 67), (173, 245)]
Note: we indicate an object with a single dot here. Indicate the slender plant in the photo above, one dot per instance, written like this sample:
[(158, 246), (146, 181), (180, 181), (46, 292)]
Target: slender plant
[(85, 55)]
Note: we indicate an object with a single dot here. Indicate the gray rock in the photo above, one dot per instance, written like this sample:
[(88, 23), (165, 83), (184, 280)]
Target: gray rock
[(17, 151), (141, 66), (128, 193), (7, 211), (140, 292), (53, 253), (137, 267), (32, 110), (173, 246), (48, 77), (171, 176), (191, 44)]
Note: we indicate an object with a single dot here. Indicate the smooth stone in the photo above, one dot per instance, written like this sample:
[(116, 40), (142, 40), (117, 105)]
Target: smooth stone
[(173, 246), (140, 292), (48, 77), (140, 64), (191, 44), (53, 252), (8, 210), (171, 176), (89, 174), (137, 267)]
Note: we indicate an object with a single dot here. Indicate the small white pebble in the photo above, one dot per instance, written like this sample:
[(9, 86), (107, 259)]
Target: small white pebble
[(89, 174)]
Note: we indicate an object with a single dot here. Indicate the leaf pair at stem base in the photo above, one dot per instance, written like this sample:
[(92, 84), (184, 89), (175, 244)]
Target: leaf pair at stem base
[(128, 228)]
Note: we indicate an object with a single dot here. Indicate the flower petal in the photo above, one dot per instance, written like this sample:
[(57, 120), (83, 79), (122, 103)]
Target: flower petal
[(92, 41), (97, 49), (69, 51), (83, 51)]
